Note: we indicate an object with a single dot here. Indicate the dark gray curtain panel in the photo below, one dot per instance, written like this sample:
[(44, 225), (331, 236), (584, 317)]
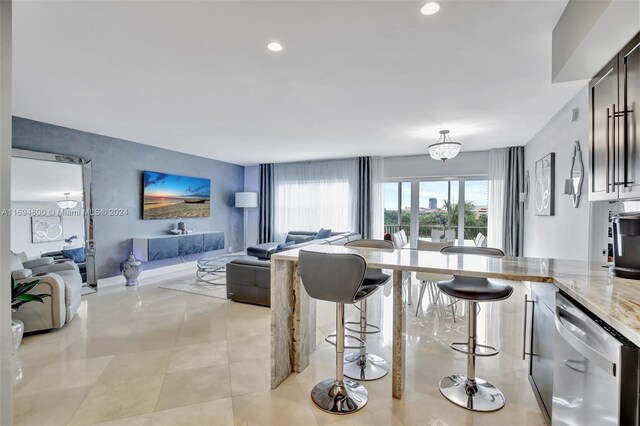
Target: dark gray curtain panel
[(265, 204), (364, 197), (513, 209)]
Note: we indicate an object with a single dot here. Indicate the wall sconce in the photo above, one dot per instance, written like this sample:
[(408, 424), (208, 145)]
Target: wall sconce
[(524, 196), (573, 186)]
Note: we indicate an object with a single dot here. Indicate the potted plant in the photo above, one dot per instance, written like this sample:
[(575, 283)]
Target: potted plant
[(19, 296)]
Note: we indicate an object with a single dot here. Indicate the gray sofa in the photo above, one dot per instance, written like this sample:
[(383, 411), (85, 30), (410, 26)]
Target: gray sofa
[(249, 279)]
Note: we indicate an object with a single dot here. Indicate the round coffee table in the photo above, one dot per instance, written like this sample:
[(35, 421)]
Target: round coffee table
[(212, 268)]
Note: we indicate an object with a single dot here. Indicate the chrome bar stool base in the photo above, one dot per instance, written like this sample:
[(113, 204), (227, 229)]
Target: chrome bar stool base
[(367, 367), (479, 395), (336, 397)]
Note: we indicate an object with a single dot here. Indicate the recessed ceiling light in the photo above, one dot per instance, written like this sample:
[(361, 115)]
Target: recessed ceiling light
[(430, 8), (274, 46)]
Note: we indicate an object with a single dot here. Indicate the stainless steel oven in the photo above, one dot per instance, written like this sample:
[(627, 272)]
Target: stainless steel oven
[(595, 377)]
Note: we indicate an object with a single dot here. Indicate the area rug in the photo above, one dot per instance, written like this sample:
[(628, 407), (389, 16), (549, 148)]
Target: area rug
[(199, 287), (86, 290)]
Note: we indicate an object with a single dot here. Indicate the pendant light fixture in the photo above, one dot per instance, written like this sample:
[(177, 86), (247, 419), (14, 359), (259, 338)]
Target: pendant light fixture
[(445, 148), (66, 203)]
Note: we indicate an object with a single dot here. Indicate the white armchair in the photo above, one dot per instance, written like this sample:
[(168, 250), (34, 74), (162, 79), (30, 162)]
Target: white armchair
[(61, 280)]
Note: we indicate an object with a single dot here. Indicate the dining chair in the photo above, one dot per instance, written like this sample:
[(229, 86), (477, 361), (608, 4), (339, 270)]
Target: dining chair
[(429, 279)]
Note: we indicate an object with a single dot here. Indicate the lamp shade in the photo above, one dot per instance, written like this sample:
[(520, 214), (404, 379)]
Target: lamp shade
[(246, 199)]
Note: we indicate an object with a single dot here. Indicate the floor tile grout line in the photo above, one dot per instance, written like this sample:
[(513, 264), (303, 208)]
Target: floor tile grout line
[(226, 335), (87, 395), (165, 372)]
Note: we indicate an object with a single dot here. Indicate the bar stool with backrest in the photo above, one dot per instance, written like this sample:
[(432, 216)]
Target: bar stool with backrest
[(469, 391), (363, 365), (336, 277), (428, 279)]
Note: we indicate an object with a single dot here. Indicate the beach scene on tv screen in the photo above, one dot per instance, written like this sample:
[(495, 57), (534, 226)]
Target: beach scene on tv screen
[(175, 197)]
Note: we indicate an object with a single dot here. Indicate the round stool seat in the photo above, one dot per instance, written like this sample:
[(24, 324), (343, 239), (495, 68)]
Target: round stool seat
[(366, 290), (374, 277), (475, 289)]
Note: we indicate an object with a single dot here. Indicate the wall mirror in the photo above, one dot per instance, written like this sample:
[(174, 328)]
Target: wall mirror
[(577, 175), (53, 195)]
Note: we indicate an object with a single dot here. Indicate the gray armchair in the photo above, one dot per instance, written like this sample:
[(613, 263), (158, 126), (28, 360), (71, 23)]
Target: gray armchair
[(60, 279)]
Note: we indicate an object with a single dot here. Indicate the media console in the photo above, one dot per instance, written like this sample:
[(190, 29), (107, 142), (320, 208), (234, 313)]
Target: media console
[(168, 246)]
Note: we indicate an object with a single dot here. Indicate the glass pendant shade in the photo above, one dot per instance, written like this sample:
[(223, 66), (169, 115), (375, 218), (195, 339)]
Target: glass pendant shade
[(66, 203), (445, 148)]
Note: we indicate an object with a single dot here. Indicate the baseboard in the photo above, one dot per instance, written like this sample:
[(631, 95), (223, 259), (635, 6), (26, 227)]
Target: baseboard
[(119, 280)]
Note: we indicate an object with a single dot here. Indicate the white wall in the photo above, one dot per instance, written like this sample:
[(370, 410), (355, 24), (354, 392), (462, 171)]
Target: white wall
[(566, 234), (21, 229), (6, 360), (420, 166)]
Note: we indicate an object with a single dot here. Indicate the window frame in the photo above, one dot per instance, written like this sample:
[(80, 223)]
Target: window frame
[(415, 199)]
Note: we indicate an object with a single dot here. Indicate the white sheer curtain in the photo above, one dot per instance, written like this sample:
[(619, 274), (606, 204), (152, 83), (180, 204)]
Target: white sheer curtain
[(497, 174), (377, 198), (314, 195)]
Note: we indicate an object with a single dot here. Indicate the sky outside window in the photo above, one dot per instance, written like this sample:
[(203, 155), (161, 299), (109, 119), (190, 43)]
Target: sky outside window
[(476, 191)]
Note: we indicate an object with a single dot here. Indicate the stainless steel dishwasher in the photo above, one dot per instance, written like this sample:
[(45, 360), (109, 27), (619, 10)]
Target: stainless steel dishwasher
[(595, 379)]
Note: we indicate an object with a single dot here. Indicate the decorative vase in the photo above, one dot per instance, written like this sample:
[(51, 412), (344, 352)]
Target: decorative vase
[(17, 331), (130, 269)]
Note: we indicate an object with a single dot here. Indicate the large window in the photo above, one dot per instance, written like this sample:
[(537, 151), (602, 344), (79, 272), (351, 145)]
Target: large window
[(397, 207), (310, 196), (436, 199), (476, 205), (435, 207)]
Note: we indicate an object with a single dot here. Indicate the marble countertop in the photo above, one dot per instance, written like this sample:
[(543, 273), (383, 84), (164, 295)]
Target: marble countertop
[(614, 300)]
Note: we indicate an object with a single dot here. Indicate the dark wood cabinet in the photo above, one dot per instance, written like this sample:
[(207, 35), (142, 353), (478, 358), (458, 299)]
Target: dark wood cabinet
[(541, 328), (603, 96), (168, 246), (629, 95), (614, 94)]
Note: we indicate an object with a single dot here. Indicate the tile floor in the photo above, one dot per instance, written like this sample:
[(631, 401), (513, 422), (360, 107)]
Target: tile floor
[(146, 355)]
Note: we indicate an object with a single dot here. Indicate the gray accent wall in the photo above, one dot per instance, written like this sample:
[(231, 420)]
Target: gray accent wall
[(117, 167)]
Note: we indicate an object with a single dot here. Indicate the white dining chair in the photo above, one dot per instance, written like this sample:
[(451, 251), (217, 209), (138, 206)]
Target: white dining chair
[(436, 235), (429, 279), (480, 240)]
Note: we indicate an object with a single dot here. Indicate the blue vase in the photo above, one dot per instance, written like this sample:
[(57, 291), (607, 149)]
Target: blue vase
[(130, 269)]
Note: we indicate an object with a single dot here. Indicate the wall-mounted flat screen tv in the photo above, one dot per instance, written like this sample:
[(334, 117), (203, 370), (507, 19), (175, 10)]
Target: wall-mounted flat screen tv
[(175, 197)]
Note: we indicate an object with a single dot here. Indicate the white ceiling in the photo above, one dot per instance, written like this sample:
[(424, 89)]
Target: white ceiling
[(355, 77), (38, 180)]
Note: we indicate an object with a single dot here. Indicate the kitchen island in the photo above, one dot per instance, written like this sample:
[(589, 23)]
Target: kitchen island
[(614, 300)]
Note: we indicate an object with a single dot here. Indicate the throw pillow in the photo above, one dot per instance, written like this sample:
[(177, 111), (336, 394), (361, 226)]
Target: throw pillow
[(299, 238), (323, 233), (75, 254), (283, 246)]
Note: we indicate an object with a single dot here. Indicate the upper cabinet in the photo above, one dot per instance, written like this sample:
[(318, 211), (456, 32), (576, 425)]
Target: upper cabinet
[(629, 172), (614, 96)]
